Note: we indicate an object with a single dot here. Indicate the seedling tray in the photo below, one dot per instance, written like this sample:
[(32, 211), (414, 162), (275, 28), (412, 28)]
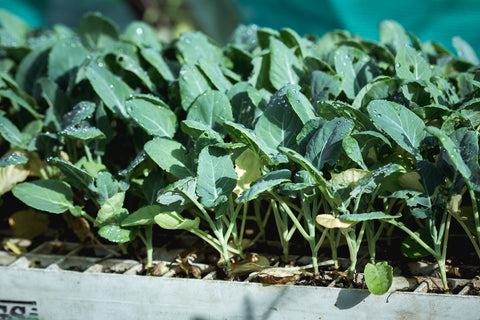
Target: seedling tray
[(42, 285)]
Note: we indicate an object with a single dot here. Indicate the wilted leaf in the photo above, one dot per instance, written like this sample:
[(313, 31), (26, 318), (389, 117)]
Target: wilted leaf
[(330, 222), (28, 223)]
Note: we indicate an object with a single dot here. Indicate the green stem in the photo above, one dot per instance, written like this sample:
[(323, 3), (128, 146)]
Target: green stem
[(87, 152), (149, 245), (475, 211), (441, 264), (469, 235), (281, 228), (414, 236)]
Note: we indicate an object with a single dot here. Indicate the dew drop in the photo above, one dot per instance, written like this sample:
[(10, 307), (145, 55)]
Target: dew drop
[(139, 31), (397, 65)]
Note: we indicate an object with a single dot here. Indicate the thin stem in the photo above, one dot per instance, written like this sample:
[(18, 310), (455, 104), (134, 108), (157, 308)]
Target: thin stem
[(149, 245), (476, 216), (87, 152)]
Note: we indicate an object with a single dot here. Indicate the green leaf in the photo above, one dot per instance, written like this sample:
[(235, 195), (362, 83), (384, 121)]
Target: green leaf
[(325, 145), (132, 64), (352, 149), (305, 164), (471, 111), (142, 35), (177, 195), (115, 233), (46, 195), (77, 177), (156, 60), (66, 56), (216, 176), (13, 159), (300, 104), (141, 217), (153, 115), (279, 124), (378, 277), (16, 27), (401, 124), (410, 248), (359, 217), (355, 69), (213, 72), (452, 149), (264, 184), (285, 67), (393, 35), (109, 88), (11, 133), (211, 108), (104, 187), (239, 133), (411, 65), (170, 155), (464, 50), (192, 84), (112, 210), (196, 130), (324, 86), (378, 89), (80, 111), (174, 221), (97, 31), (82, 133), (195, 46)]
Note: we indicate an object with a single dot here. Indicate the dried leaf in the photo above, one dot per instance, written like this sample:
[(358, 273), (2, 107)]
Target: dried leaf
[(278, 276), (330, 222), (81, 228), (254, 263)]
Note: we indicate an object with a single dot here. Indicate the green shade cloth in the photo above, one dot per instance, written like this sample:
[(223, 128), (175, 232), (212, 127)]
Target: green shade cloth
[(429, 20), (29, 10)]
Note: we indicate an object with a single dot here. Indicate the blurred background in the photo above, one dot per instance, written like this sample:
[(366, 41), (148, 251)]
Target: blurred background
[(433, 20)]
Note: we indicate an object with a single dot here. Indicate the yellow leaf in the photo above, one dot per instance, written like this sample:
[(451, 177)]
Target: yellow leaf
[(330, 222), (350, 176), (11, 175), (28, 223), (411, 180), (247, 167)]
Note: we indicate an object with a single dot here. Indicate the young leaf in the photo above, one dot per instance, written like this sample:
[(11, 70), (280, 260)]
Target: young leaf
[(324, 86), (464, 50), (393, 35), (279, 125), (80, 111), (16, 27), (214, 73), (77, 177), (152, 114), (211, 108), (264, 184), (177, 195), (46, 195), (359, 217), (216, 176), (239, 133), (112, 210), (170, 155), (355, 69), (378, 277), (82, 133), (325, 145), (410, 65), (132, 64), (195, 46), (401, 124), (300, 104), (352, 149), (141, 217), (142, 35), (13, 159), (285, 67), (192, 84), (158, 62), (115, 233), (105, 187), (96, 31), (174, 221), (66, 56), (11, 133), (109, 88)]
